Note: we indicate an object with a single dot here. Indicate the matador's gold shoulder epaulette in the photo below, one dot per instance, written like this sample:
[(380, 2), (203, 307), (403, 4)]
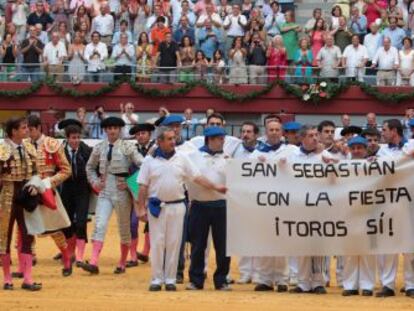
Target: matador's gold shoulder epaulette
[(52, 145), (28, 146), (5, 151)]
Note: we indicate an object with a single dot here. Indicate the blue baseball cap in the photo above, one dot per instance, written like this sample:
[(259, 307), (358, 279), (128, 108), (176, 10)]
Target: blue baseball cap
[(292, 126), (214, 131), (172, 118), (411, 123), (357, 140)]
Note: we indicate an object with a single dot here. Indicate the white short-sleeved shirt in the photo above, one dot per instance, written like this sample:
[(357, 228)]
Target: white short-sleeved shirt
[(354, 57), (211, 167), (386, 59), (235, 30), (394, 152), (165, 178), (283, 151), (230, 143)]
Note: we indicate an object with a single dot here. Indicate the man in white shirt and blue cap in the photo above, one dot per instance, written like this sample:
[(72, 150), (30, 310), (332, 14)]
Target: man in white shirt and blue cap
[(358, 271), (208, 211), (161, 179)]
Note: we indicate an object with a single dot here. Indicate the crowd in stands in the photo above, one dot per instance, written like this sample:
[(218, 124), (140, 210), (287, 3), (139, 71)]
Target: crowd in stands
[(223, 41)]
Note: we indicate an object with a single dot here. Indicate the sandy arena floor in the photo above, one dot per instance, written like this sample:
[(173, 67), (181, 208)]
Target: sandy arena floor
[(129, 291)]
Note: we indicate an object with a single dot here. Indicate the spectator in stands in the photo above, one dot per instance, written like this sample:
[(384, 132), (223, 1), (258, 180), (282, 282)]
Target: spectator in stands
[(41, 35), (274, 20), (209, 39), (246, 8), (210, 15), (394, 10), (310, 24), (187, 56), (153, 20), (237, 55), (254, 27), (372, 42), (354, 60), (409, 115), (200, 65), (410, 22), (187, 12), (395, 33), (76, 4), (382, 22), (342, 36), (129, 117), (184, 29), (357, 23), (336, 14), (121, 14), (123, 29), (32, 49), (84, 32), (60, 11), (95, 55), (329, 59), (81, 15), (140, 12), (8, 53), (405, 71), (159, 33), (168, 58), (276, 59), (234, 25), (76, 69), (387, 61), (124, 55), (200, 6), (224, 9), (64, 36), (303, 60), (40, 17), (218, 66), (373, 10), (361, 5), (54, 55), (20, 11), (256, 58), (290, 33), (95, 130), (144, 58), (104, 25), (317, 36)]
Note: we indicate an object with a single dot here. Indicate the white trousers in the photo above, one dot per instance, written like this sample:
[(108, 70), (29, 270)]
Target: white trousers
[(272, 270), (165, 239), (359, 272), (387, 270), (409, 271), (310, 274), (248, 268)]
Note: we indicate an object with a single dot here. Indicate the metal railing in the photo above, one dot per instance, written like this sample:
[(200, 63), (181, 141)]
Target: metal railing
[(233, 74)]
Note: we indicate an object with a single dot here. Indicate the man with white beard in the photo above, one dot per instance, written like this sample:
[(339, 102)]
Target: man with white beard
[(273, 270), (310, 272)]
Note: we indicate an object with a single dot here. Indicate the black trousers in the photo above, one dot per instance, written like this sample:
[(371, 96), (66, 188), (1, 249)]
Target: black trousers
[(17, 215), (75, 199), (204, 215), (121, 70)]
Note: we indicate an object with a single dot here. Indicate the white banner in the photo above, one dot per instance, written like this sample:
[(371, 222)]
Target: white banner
[(349, 208)]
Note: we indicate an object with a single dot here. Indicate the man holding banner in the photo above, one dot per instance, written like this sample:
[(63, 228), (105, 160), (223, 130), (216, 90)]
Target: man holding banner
[(359, 271), (392, 132), (273, 270)]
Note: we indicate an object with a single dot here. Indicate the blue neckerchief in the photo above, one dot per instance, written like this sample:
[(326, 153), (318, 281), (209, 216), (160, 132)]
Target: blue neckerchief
[(398, 146), (159, 153), (266, 147), (248, 149), (209, 151), (307, 152)]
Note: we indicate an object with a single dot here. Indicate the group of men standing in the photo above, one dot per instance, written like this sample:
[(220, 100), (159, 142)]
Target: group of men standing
[(181, 198)]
